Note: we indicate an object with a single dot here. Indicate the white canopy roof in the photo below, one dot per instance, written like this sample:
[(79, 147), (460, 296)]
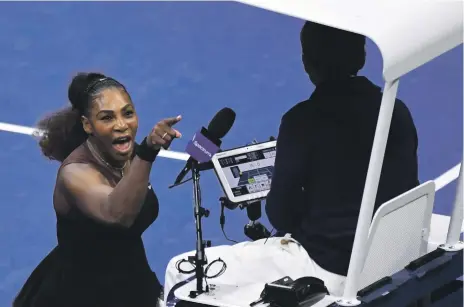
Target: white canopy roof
[(408, 33)]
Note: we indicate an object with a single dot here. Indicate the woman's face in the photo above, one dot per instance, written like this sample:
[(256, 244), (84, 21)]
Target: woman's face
[(113, 124)]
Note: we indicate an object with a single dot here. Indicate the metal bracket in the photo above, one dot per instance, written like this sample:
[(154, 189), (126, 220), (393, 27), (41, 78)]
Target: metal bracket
[(452, 247), (348, 303)]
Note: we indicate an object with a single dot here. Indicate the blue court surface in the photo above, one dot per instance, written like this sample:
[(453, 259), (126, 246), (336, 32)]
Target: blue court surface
[(188, 58)]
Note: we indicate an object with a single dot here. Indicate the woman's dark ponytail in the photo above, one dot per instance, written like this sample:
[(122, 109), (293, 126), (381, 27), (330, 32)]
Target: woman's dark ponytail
[(62, 130)]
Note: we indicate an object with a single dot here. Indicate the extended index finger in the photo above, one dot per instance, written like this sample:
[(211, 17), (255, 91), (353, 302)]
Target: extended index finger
[(172, 120)]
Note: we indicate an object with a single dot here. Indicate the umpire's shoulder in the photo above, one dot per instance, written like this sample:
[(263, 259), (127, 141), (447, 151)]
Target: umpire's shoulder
[(298, 112), (402, 109)]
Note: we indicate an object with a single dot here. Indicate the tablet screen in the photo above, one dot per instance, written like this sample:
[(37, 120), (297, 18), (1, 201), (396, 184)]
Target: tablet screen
[(249, 172)]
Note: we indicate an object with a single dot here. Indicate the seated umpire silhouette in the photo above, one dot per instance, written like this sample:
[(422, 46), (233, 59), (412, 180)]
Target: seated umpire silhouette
[(324, 146)]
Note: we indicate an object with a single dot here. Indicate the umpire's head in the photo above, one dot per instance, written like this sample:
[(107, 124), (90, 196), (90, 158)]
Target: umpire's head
[(330, 53)]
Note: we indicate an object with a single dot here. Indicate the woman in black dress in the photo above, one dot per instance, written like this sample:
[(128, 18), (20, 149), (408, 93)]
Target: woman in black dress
[(103, 201)]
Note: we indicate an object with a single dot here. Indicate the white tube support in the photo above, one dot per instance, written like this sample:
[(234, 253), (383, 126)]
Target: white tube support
[(454, 229), (358, 254)]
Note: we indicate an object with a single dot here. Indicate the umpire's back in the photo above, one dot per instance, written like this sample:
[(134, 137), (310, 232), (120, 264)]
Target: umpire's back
[(344, 114), (331, 136)]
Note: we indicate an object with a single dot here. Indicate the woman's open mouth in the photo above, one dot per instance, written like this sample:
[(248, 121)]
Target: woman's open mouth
[(122, 144)]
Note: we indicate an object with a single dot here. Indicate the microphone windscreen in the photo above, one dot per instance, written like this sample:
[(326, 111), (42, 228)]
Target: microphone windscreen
[(221, 123)]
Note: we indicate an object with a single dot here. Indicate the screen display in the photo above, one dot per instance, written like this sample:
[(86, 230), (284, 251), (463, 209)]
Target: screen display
[(249, 172)]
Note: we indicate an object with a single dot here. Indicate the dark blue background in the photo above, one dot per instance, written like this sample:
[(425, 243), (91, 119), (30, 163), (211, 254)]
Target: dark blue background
[(175, 58)]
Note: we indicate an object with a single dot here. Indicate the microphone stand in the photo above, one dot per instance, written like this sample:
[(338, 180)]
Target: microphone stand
[(200, 258)]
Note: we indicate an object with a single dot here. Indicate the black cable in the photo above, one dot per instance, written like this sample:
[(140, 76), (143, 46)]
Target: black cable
[(225, 236), (222, 221), (270, 236), (221, 271), (178, 263)]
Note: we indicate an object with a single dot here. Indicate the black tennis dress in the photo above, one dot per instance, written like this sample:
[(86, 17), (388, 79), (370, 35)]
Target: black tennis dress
[(94, 265)]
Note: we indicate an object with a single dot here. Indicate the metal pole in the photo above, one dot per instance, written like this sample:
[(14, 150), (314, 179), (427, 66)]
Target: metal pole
[(455, 225), (370, 192), (200, 251)]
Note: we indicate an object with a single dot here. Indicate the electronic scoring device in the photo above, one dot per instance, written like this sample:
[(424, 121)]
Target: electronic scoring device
[(245, 173)]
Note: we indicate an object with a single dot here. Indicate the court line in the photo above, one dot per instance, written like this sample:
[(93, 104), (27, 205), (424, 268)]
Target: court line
[(440, 182), (447, 177), (35, 132)]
